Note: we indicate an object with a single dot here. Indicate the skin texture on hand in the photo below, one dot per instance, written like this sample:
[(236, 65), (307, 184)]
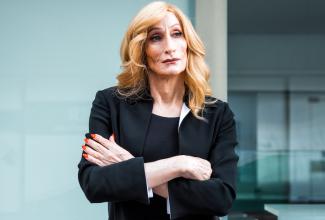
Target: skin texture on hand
[(185, 166), (162, 171), (195, 168), (103, 152)]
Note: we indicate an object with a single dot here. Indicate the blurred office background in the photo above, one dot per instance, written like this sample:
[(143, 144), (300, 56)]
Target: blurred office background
[(54, 56), (277, 91)]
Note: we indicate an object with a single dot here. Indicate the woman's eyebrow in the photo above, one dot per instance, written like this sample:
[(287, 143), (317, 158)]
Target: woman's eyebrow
[(155, 28), (160, 28)]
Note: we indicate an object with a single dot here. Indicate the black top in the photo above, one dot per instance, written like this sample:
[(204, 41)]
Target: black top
[(161, 139), (161, 142)]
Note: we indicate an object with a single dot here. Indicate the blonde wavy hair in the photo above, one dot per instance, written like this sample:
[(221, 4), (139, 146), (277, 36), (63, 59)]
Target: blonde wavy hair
[(133, 80)]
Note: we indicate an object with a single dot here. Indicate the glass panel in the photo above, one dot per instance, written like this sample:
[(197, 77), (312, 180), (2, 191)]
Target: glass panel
[(281, 147)]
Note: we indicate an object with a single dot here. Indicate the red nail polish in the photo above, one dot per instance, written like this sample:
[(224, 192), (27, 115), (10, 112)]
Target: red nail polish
[(86, 140), (85, 156), (84, 147), (93, 136)]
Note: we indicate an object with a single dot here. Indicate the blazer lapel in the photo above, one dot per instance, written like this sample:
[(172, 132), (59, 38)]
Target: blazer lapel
[(189, 139), (134, 123), (185, 110)]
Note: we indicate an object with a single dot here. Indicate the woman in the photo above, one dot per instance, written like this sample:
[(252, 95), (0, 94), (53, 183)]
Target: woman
[(159, 146)]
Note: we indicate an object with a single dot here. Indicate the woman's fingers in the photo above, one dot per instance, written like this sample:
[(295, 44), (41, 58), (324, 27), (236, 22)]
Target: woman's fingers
[(106, 157), (108, 143), (206, 169), (112, 146), (92, 152), (201, 174), (104, 150), (95, 145), (204, 162), (109, 151), (101, 140), (92, 159), (200, 169)]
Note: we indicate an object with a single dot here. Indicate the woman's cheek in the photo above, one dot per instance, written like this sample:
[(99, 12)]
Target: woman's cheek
[(154, 54)]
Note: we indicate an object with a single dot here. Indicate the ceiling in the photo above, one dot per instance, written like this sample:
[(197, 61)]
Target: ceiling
[(276, 16)]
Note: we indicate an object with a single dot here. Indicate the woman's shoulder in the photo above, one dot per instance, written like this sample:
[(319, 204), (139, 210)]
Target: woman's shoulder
[(109, 92), (107, 95), (213, 102), (216, 106), (117, 95)]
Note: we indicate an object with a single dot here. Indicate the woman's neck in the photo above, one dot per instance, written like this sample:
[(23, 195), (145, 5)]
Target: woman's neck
[(168, 93), (167, 89)]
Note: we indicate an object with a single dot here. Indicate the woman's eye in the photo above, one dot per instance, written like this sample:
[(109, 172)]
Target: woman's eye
[(155, 38), (178, 34)]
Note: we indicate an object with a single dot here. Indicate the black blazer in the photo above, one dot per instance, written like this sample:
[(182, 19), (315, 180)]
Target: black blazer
[(124, 185)]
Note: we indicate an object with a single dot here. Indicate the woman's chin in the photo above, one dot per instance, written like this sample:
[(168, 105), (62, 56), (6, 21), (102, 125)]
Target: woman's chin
[(170, 72)]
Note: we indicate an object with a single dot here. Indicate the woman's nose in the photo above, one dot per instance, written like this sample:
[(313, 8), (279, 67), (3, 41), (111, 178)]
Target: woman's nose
[(170, 45)]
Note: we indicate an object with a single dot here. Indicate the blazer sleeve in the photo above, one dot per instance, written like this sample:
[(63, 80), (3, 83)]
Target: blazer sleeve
[(121, 181), (213, 196)]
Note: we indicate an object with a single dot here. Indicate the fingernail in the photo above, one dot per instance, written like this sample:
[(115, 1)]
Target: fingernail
[(93, 136), (113, 136), (85, 156), (84, 147), (86, 140)]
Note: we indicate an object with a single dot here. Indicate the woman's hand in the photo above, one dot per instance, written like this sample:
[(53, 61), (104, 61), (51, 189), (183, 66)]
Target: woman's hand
[(161, 171), (103, 152), (194, 167)]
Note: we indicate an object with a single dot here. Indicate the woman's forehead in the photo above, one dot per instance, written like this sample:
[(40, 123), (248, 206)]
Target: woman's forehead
[(168, 21)]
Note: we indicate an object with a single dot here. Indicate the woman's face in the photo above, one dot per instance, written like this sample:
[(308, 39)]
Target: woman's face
[(166, 47)]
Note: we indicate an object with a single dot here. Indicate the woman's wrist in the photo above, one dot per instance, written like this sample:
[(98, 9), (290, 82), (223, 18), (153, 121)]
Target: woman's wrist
[(178, 162), (175, 166), (162, 171)]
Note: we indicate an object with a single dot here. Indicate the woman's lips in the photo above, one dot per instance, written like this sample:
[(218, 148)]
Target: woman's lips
[(170, 61)]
